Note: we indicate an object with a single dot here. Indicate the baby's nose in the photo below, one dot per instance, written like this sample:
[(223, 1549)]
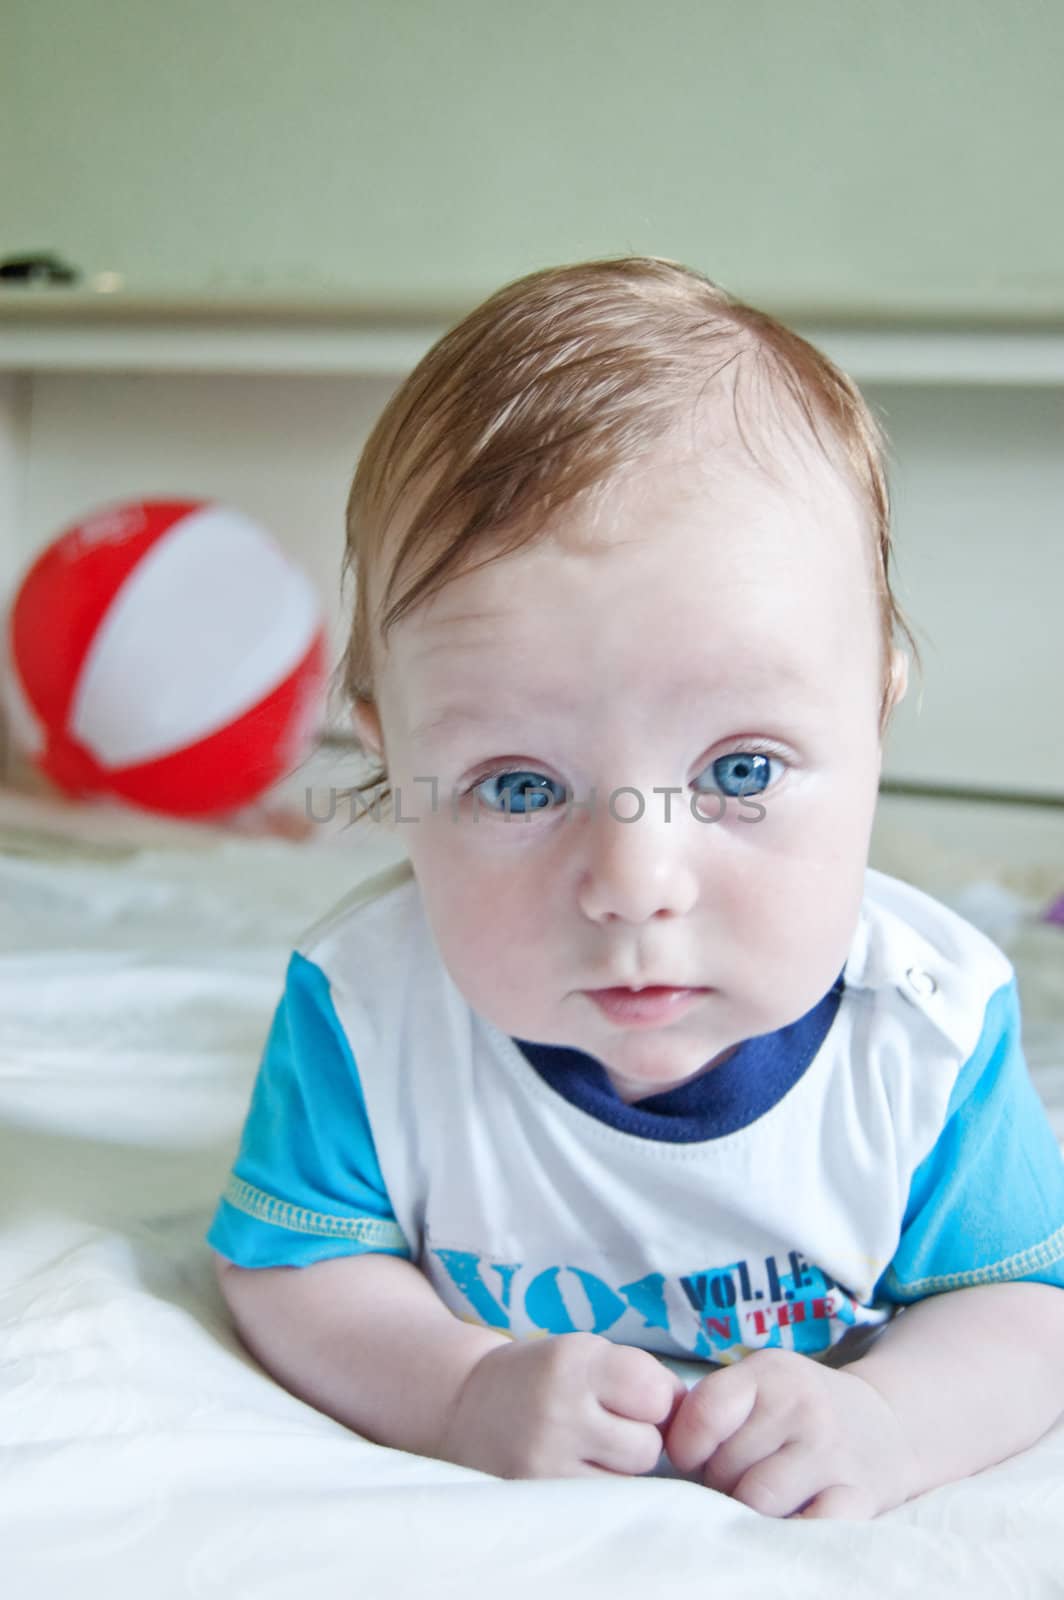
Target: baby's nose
[(635, 866)]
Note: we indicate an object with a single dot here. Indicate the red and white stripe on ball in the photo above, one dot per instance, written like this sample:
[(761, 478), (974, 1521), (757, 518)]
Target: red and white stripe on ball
[(168, 652)]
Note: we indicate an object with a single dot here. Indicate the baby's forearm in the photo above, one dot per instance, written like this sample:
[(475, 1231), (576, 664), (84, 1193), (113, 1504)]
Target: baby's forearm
[(973, 1375), (365, 1339)]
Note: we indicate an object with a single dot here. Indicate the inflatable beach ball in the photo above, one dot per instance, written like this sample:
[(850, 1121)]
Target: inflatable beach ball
[(166, 653)]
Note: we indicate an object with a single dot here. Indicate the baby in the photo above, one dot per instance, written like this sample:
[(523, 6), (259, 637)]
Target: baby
[(634, 1124)]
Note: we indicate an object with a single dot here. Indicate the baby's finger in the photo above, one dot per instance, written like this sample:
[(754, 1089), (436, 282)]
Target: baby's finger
[(777, 1485), (632, 1448), (711, 1412), (764, 1433), (678, 1398), (634, 1384), (841, 1501)]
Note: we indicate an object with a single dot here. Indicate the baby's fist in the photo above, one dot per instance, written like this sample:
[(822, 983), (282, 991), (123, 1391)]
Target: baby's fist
[(571, 1406), (787, 1435)]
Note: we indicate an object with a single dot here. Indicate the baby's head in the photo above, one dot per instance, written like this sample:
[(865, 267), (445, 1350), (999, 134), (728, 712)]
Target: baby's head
[(625, 645)]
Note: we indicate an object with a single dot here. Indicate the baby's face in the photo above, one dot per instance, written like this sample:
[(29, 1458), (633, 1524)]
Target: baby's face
[(716, 639)]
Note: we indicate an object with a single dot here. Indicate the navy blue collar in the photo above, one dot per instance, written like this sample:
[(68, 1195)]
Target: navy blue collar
[(721, 1101)]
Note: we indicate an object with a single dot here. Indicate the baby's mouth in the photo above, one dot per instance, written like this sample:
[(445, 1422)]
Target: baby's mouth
[(649, 1006)]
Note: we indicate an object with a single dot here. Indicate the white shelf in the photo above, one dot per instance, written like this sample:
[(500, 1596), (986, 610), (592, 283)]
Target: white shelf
[(213, 345), (985, 357), (65, 331)]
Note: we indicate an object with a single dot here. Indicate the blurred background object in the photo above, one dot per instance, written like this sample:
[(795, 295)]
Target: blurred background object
[(36, 268), (167, 653)]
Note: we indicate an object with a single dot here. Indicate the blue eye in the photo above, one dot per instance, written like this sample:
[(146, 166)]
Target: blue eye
[(519, 792), (742, 773)]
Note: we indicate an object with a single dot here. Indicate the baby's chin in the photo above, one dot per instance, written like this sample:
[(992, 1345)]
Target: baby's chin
[(633, 1086), (649, 1069)]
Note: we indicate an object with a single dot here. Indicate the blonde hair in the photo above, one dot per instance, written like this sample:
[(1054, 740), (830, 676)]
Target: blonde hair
[(547, 391)]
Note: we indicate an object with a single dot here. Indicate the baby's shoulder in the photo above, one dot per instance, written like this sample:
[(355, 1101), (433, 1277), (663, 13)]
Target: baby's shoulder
[(920, 963), (364, 936)]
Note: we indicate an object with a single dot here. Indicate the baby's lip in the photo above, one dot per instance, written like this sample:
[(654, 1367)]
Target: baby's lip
[(641, 988), (650, 1006)]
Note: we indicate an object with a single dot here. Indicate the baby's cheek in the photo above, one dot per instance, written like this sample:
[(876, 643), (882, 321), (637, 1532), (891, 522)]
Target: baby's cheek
[(495, 973), (482, 930), (783, 920)]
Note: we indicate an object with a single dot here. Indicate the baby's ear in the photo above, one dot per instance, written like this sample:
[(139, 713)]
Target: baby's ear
[(899, 678), (366, 719), (899, 682)]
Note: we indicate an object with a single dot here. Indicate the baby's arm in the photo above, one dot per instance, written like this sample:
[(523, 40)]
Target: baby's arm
[(367, 1340), (973, 1376), (364, 1338)]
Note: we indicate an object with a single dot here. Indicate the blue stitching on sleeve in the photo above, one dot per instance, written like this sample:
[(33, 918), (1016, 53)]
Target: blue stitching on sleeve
[(371, 1231), (1014, 1266)]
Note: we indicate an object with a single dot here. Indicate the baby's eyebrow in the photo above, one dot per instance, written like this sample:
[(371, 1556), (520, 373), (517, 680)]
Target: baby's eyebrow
[(447, 717), (461, 715)]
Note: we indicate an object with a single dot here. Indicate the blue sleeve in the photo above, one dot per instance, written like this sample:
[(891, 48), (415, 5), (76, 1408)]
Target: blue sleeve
[(306, 1183), (987, 1203)]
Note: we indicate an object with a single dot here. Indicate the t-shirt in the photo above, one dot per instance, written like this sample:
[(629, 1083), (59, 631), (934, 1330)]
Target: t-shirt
[(887, 1146)]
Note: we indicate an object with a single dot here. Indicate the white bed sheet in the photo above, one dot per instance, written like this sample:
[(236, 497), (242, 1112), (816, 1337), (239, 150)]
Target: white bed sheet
[(144, 1452)]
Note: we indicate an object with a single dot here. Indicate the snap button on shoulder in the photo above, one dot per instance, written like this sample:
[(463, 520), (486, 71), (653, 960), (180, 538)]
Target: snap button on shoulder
[(921, 981)]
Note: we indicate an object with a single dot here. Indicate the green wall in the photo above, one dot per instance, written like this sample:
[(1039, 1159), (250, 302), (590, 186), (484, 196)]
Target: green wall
[(847, 157)]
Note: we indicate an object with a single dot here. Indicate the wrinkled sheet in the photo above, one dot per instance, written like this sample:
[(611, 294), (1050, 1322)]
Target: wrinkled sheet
[(144, 1452)]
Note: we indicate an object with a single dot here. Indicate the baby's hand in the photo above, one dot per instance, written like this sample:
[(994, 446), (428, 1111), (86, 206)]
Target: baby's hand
[(570, 1406), (788, 1436)]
